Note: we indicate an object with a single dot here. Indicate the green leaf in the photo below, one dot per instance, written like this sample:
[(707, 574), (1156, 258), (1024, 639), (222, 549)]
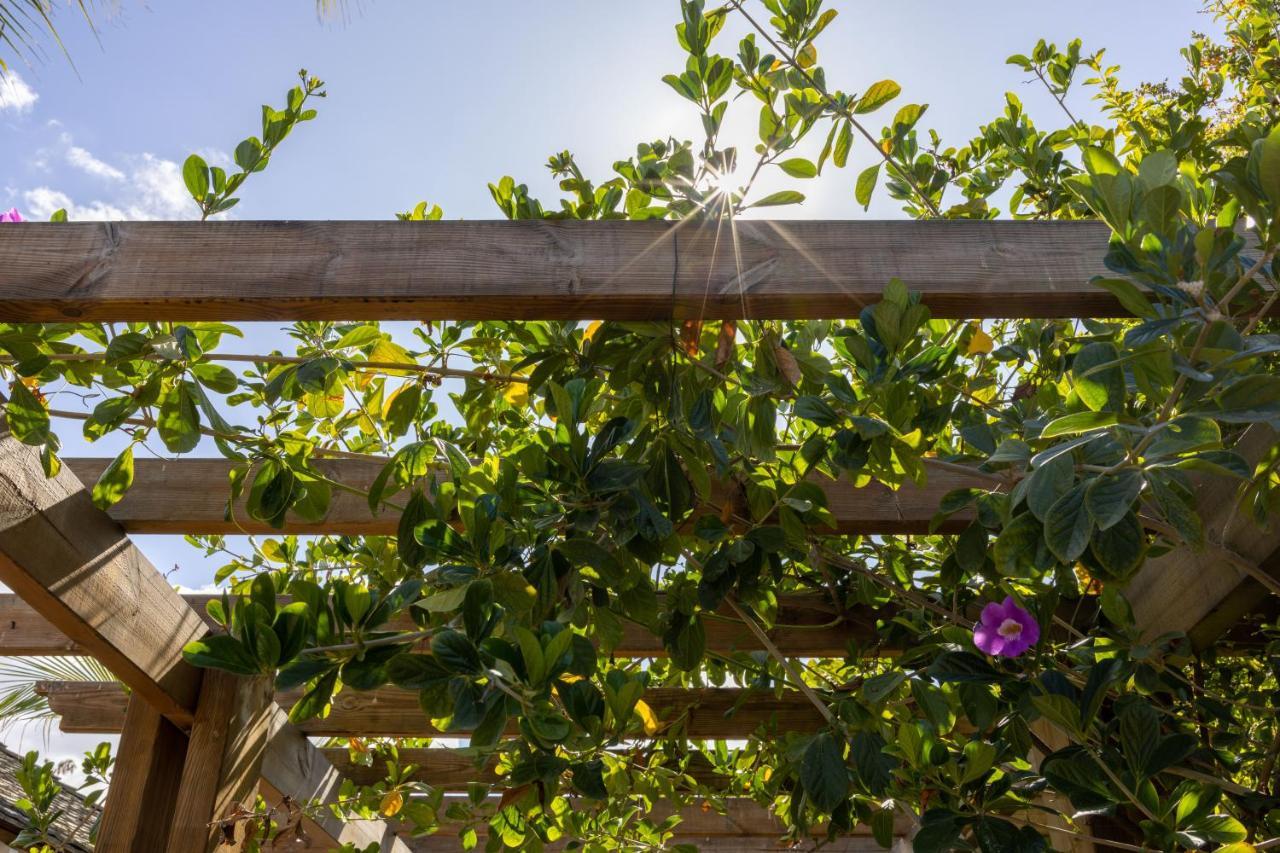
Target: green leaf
[(866, 185), (179, 419), (456, 651), (780, 198), (1110, 497), (1129, 295), (221, 651), (1139, 735), (1015, 547), (876, 96), (1049, 482), (1078, 423), (195, 174), (1067, 526), (799, 167), (115, 480), (823, 773), (1269, 167), (28, 418), (313, 702), (1119, 549), (877, 688), (1097, 377)]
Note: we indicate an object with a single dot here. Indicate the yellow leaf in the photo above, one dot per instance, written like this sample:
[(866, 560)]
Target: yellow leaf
[(646, 715), (981, 342), (392, 802), (358, 745), (517, 393), (808, 56), (590, 333)]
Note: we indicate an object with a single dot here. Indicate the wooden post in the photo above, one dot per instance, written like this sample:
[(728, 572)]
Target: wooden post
[(224, 757), (144, 785)]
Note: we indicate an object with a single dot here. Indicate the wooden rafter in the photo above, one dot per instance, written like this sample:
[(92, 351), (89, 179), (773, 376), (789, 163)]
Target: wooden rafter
[(707, 712), (812, 627), (544, 270), (190, 496)]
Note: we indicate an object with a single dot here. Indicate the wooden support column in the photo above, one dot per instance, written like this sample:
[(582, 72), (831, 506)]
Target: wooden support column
[(224, 757), (144, 785)]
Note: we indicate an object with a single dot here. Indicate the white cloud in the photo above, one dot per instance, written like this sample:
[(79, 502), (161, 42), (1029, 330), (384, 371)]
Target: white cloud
[(83, 159), (15, 94), (151, 189)]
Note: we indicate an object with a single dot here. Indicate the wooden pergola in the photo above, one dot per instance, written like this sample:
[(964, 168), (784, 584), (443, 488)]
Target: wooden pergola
[(196, 742)]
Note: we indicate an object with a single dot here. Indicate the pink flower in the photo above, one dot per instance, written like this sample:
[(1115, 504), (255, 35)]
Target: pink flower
[(12, 216), (1005, 630)]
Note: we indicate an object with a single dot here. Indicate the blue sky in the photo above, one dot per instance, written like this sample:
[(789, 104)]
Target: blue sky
[(431, 100)]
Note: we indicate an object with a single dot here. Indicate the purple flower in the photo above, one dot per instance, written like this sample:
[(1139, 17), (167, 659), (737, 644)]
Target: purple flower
[(1005, 630), (11, 216)]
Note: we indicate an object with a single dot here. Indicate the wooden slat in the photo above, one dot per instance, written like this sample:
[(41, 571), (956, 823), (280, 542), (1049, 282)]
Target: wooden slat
[(809, 629), (708, 713), (224, 758), (544, 270), (76, 568), (190, 496), (144, 782), (1179, 589)]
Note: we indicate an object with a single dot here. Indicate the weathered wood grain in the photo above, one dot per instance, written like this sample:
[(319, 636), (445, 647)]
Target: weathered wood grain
[(76, 568), (144, 782), (1179, 589), (190, 496), (224, 758), (709, 712), (544, 270), (810, 626)]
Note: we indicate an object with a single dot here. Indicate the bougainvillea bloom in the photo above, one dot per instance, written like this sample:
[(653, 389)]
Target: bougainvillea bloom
[(1005, 630), (11, 216)]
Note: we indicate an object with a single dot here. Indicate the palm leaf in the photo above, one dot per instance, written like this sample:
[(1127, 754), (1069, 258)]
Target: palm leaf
[(19, 702)]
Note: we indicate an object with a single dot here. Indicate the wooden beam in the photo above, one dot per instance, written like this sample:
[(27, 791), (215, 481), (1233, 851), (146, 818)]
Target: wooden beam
[(449, 770), (1179, 589), (144, 782), (708, 712), (190, 496), (76, 568), (824, 632), (224, 758), (295, 767), (545, 270)]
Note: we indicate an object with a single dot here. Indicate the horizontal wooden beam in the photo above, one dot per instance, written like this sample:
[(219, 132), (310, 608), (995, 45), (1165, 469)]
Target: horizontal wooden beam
[(545, 270), (708, 713), (449, 770), (190, 496), (811, 627)]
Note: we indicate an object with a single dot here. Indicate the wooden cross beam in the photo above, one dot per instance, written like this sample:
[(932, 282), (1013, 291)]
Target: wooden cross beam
[(823, 631), (706, 712), (545, 270), (190, 496)]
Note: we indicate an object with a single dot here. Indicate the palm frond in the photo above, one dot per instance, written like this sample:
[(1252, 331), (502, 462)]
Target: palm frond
[(22, 22), (19, 702)]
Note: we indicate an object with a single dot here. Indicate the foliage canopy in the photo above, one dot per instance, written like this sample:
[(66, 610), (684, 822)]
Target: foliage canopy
[(585, 477)]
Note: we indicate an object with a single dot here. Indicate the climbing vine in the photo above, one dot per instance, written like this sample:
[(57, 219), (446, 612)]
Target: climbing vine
[(556, 483)]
